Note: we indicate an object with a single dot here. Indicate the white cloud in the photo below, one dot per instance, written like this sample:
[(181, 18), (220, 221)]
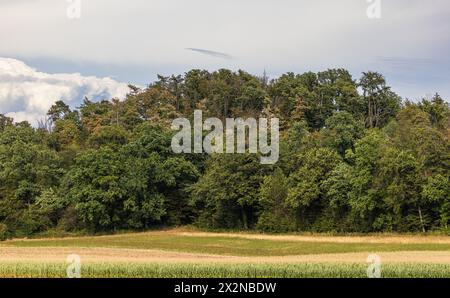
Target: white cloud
[(27, 94), (278, 36)]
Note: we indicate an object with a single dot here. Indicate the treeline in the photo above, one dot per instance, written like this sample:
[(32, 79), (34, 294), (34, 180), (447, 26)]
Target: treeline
[(354, 157)]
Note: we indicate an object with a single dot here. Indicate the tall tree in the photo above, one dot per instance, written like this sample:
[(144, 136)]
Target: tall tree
[(381, 103)]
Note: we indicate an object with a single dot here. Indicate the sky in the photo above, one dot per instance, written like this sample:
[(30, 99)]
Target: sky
[(68, 49)]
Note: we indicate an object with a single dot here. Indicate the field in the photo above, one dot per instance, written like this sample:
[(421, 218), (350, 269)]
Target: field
[(190, 253)]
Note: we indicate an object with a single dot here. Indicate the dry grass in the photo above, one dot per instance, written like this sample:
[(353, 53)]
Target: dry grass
[(137, 256), (190, 246), (189, 232), (381, 239), (189, 253)]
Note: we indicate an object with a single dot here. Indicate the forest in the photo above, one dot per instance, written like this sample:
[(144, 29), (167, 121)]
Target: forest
[(355, 157)]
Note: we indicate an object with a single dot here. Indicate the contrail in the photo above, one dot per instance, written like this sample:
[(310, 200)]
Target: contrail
[(211, 53)]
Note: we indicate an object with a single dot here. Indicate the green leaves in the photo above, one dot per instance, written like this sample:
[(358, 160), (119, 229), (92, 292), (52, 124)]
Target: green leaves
[(353, 158), (130, 187), (381, 104), (229, 189), (343, 131)]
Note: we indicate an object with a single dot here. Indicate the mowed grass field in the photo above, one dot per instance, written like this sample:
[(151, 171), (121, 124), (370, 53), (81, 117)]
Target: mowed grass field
[(189, 253)]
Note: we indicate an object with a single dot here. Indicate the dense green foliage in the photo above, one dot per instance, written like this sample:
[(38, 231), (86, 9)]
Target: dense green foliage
[(354, 158)]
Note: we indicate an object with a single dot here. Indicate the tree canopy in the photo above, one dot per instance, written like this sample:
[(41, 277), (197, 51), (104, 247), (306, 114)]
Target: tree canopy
[(354, 157)]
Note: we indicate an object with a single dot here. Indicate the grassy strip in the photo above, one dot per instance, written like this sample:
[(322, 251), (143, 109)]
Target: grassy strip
[(224, 271), (226, 245)]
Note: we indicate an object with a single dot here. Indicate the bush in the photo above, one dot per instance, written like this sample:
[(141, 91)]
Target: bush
[(69, 220), (4, 232)]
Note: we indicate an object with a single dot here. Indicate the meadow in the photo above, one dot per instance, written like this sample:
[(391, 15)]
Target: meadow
[(189, 253)]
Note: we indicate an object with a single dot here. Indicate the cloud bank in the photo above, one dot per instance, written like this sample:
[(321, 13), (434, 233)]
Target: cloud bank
[(135, 40), (26, 94)]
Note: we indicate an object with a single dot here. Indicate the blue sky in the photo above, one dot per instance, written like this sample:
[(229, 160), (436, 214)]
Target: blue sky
[(115, 42)]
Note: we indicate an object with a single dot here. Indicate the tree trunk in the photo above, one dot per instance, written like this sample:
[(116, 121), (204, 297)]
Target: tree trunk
[(244, 218), (421, 220)]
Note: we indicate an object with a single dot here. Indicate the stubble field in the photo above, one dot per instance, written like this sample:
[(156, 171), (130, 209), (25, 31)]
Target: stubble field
[(190, 253)]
